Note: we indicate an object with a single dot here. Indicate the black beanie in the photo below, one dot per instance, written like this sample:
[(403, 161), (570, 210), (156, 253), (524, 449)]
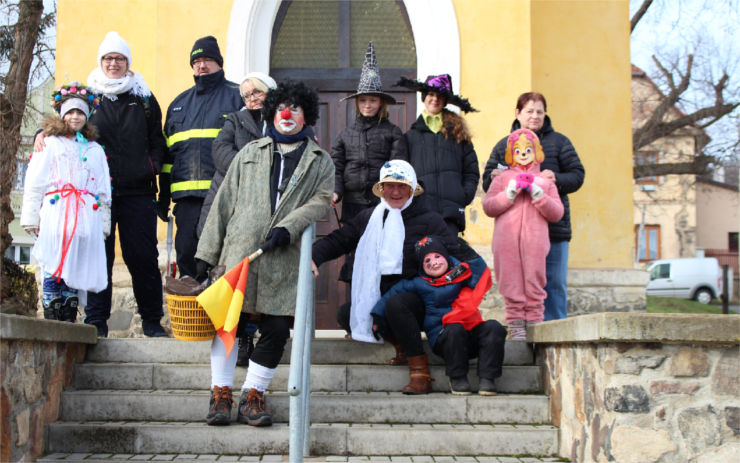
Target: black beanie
[(430, 244), (206, 47)]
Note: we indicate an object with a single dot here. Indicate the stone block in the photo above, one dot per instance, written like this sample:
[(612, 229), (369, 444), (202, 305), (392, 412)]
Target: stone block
[(22, 424), (726, 376), (732, 419), (674, 387), (634, 365), (5, 431), (32, 383), (36, 432), (699, 428), (724, 453), (627, 399), (691, 362), (639, 445)]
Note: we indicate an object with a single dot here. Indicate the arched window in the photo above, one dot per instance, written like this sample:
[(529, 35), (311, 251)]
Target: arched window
[(323, 43)]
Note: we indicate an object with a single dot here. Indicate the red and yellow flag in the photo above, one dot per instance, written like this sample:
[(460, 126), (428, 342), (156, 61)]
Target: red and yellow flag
[(223, 300)]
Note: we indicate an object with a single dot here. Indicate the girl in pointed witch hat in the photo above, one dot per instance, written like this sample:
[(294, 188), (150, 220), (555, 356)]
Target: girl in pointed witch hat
[(441, 150), (360, 150)]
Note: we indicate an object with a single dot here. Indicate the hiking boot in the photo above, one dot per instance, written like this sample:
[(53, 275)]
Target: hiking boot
[(69, 309), (152, 329), (246, 347), (219, 412), (53, 309), (517, 330), (252, 409), (460, 386), (486, 387), (420, 381)]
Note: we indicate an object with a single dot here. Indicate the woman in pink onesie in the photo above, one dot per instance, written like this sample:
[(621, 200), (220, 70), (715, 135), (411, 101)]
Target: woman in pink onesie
[(522, 202)]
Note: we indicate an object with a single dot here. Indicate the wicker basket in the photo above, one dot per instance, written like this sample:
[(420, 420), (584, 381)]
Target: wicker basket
[(189, 320)]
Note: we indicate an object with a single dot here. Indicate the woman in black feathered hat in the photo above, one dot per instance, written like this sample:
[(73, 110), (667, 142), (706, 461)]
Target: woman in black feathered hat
[(441, 150)]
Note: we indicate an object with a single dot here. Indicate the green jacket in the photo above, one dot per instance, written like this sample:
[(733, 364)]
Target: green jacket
[(240, 219)]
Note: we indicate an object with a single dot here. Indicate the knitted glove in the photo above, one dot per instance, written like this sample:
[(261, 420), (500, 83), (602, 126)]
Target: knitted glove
[(511, 190), (277, 238), (536, 191)]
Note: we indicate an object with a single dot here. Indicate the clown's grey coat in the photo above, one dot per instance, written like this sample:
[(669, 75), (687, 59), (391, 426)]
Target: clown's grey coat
[(240, 219)]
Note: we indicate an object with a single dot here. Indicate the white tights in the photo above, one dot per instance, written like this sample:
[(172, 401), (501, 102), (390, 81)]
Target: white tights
[(222, 369)]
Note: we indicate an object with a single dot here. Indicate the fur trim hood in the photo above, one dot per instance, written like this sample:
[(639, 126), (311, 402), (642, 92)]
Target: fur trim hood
[(55, 126)]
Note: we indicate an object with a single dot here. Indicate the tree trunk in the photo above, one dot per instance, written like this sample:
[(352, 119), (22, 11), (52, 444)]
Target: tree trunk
[(12, 106)]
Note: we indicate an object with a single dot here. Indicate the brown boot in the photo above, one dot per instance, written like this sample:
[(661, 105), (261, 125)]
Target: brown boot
[(252, 409), (400, 358), (219, 413), (421, 382)]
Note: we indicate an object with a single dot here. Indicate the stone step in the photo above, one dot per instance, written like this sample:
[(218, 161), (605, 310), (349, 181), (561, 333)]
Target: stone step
[(355, 408), (324, 351), (325, 439), (333, 378)]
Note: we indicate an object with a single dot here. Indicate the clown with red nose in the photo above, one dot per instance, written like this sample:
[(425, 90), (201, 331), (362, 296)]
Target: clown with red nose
[(275, 187)]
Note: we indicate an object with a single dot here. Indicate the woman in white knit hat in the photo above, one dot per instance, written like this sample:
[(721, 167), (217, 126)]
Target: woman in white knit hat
[(129, 121)]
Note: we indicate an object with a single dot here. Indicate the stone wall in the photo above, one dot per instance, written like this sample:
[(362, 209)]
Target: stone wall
[(36, 364), (643, 388)]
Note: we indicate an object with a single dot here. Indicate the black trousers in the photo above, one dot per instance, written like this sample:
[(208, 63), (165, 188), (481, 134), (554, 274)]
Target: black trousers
[(274, 333), (405, 315), (187, 214), (136, 217), (457, 346)]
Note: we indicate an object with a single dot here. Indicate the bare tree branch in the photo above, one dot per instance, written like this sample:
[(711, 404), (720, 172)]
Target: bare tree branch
[(639, 14), (698, 166)]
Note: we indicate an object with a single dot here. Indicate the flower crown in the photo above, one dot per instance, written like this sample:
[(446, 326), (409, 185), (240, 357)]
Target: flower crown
[(77, 90)]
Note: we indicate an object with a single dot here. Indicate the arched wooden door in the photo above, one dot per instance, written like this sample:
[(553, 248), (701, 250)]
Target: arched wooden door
[(323, 43)]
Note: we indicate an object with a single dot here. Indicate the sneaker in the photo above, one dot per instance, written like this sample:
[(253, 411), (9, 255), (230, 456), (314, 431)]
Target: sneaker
[(153, 329), (460, 386), (53, 309), (69, 309), (219, 411), (517, 330), (252, 409), (486, 387), (246, 347)]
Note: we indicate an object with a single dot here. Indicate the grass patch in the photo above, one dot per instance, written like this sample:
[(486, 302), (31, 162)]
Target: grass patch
[(674, 305)]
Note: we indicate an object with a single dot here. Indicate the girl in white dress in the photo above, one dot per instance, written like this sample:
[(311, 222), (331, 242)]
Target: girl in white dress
[(66, 205)]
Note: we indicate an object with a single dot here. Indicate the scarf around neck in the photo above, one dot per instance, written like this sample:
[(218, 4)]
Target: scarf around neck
[(281, 138), (379, 252), (110, 88)]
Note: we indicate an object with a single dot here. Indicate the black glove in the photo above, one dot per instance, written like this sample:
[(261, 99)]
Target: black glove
[(163, 201), (201, 270), (277, 238), (380, 327)]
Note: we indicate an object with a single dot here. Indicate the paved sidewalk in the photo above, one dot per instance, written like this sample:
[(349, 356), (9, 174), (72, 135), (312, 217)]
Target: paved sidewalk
[(183, 458)]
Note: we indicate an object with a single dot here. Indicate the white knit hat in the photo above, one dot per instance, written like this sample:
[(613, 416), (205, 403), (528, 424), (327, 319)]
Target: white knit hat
[(114, 43), (74, 103), (262, 77)]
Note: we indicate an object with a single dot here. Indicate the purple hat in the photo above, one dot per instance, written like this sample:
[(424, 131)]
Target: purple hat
[(441, 84)]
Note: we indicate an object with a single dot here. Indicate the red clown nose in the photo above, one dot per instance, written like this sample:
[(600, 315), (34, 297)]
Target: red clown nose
[(285, 113)]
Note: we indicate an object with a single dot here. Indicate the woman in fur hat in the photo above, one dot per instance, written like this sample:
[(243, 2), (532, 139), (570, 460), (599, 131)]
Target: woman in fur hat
[(276, 187), (441, 150), (66, 204)]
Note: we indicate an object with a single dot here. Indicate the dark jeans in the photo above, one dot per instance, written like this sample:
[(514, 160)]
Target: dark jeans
[(187, 214), (274, 333), (457, 346), (136, 217), (405, 315)]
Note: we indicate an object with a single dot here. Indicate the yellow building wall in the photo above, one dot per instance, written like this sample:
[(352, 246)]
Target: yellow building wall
[(574, 52)]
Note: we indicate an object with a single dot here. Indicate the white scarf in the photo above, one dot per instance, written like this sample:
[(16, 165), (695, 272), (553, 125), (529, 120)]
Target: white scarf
[(111, 88), (379, 252)]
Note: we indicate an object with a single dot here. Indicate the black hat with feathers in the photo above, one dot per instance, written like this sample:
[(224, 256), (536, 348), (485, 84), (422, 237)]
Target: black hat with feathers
[(441, 84)]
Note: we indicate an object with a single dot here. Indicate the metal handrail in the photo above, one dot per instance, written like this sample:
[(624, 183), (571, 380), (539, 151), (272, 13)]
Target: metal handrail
[(299, 382)]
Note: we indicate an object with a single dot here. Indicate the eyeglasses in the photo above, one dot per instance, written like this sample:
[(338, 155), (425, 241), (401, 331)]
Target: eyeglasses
[(255, 94), (117, 59), (294, 109), (199, 61)]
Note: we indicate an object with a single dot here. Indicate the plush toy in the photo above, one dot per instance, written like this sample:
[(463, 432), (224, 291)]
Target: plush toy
[(522, 202)]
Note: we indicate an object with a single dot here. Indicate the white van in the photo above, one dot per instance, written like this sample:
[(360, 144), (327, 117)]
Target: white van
[(698, 278)]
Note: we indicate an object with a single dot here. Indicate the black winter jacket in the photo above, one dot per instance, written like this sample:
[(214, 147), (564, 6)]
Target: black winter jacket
[(239, 129), (194, 119), (130, 131), (561, 158), (418, 222), (447, 169), (359, 152)]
